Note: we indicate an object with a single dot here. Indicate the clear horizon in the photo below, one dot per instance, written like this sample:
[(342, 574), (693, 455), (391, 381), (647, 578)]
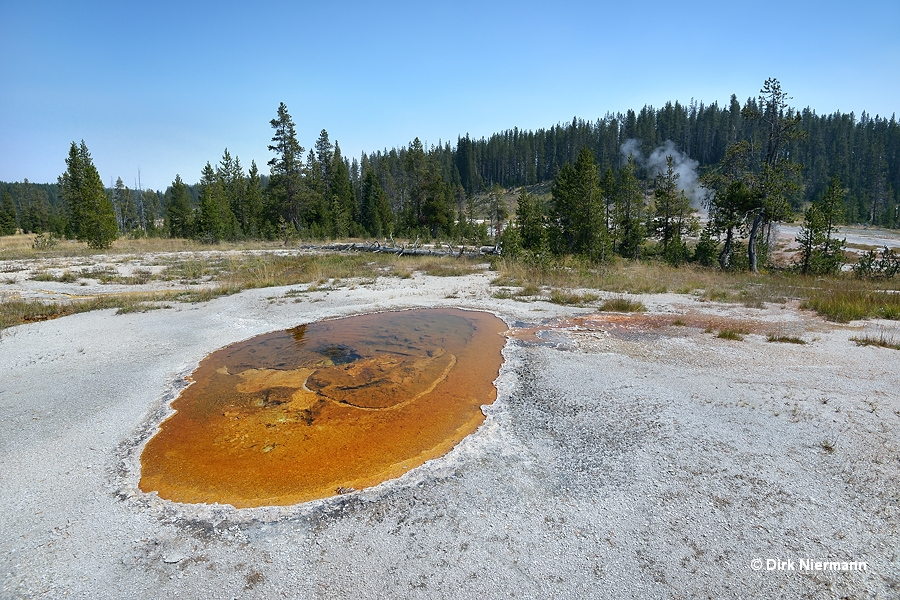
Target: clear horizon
[(165, 88)]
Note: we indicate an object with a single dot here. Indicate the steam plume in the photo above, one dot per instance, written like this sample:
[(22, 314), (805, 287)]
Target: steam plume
[(684, 165)]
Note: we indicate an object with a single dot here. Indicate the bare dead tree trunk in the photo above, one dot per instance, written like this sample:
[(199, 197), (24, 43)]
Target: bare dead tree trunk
[(751, 243), (725, 254)]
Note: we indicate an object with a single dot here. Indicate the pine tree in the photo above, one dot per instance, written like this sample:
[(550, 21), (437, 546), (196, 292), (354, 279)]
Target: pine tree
[(325, 151), (731, 199), (498, 210), (152, 212), (707, 247), (436, 208), (820, 250), (7, 214), (286, 168), (317, 208), (253, 203), (629, 211), (530, 223), (776, 179), (345, 212), (125, 208), (416, 172), (215, 221), (375, 212), (230, 176), (608, 192), (34, 214), (593, 236), (179, 214), (671, 212), (563, 212), (93, 219), (578, 214)]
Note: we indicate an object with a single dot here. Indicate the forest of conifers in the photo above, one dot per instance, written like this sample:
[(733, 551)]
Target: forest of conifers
[(442, 190)]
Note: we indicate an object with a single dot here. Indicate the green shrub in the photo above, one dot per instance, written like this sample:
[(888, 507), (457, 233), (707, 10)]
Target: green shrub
[(622, 304)]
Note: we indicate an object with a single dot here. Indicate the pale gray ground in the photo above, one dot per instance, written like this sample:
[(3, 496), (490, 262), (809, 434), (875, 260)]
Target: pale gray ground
[(619, 465), (875, 237)]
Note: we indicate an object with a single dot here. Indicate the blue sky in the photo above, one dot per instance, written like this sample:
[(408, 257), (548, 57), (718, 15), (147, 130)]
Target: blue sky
[(165, 86)]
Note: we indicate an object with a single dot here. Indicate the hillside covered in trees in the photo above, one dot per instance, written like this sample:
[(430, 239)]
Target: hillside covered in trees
[(450, 191)]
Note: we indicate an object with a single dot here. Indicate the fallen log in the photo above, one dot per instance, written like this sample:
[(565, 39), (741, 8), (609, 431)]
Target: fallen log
[(376, 247)]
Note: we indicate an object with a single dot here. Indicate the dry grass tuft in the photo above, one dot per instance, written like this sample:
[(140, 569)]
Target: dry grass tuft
[(622, 304), (732, 334), (565, 297), (882, 340), (785, 339), (844, 300)]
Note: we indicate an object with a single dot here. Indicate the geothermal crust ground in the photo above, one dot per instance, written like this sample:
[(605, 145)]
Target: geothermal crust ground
[(625, 457)]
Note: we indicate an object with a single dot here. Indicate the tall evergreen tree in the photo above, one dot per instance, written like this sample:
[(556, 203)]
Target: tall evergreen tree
[(629, 211), (345, 212), (578, 214), (93, 218), (179, 213), (252, 212), (34, 211), (7, 214), (820, 250), (530, 222), (498, 210), (671, 215), (230, 176), (436, 208), (465, 164), (416, 165), (731, 198), (375, 211), (317, 207), (125, 207), (325, 151), (152, 212), (215, 221), (286, 168), (777, 179)]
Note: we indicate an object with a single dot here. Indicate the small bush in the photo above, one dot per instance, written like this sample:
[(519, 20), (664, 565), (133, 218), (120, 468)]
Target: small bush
[(785, 339), (44, 241), (43, 276), (622, 304), (529, 289), (731, 334), (138, 277), (103, 274), (66, 276), (874, 265)]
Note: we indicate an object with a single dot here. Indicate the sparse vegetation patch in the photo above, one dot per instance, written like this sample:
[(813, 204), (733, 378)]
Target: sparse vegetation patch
[(732, 334), (785, 339), (622, 304), (882, 340)]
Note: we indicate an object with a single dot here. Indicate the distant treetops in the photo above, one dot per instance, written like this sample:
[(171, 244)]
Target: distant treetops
[(603, 198)]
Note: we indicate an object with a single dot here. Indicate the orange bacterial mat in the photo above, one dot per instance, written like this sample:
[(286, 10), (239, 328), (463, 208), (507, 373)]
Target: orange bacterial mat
[(324, 408)]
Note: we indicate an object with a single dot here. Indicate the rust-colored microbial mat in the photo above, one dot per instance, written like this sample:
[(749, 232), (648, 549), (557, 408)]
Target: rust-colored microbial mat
[(310, 412)]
